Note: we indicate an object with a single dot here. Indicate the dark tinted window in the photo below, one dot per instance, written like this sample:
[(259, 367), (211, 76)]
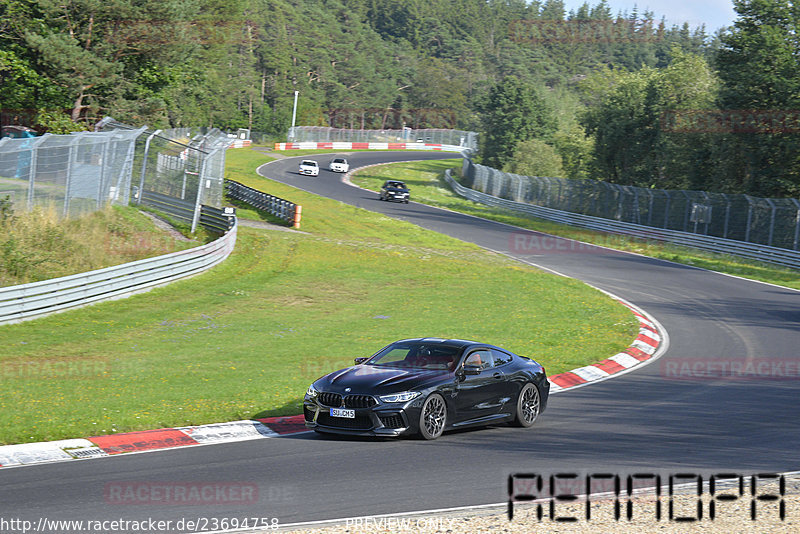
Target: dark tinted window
[(419, 355), (481, 357), (500, 357)]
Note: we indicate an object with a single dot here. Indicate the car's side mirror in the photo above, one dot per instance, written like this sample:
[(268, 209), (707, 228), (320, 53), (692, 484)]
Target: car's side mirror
[(359, 361), (472, 369)]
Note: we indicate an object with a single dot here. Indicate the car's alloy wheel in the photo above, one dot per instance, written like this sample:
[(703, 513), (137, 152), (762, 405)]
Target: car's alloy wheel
[(528, 406), (432, 417)]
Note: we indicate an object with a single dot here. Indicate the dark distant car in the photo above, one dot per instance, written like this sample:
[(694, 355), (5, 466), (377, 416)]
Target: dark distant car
[(395, 190), (426, 386)]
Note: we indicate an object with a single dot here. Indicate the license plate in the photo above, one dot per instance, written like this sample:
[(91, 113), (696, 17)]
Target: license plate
[(343, 412)]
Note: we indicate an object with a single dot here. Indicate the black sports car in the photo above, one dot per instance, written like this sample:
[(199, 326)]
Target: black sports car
[(426, 386), (395, 190)]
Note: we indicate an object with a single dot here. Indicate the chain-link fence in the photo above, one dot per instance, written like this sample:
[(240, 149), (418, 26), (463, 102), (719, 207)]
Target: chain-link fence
[(767, 221), (468, 140), (75, 173), (187, 164), (82, 172)]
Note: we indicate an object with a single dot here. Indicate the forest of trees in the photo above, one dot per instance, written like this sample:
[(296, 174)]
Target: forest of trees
[(585, 94)]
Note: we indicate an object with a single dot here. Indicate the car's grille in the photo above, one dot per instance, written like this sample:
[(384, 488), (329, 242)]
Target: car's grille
[(392, 421), (330, 399), (350, 401), (359, 401), (361, 422), (309, 414)]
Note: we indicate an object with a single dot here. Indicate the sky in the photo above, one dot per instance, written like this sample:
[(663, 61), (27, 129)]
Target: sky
[(713, 13)]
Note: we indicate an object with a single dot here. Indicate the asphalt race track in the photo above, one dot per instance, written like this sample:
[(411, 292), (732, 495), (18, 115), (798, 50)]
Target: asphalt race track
[(646, 421)]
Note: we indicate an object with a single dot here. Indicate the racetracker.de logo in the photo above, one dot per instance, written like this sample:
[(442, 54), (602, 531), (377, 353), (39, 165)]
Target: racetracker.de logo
[(180, 493), (533, 243), (730, 369)]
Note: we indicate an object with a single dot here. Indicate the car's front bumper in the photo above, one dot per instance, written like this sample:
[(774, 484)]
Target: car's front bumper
[(381, 420)]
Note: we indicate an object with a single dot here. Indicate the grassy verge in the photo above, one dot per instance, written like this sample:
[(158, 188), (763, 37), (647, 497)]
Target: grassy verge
[(426, 182), (39, 245), (245, 339), (242, 162)]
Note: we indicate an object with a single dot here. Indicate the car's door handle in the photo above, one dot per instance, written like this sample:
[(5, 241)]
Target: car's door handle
[(498, 375)]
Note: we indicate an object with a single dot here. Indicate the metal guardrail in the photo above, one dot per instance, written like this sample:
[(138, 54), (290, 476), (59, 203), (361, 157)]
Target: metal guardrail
[(764, 253), (774, 222), (214, 219), (29, 301), (283, 209)]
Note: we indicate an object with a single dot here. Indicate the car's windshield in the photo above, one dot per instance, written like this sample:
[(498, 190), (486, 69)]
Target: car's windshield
[(418, 355), (398, 185), (309, 163)]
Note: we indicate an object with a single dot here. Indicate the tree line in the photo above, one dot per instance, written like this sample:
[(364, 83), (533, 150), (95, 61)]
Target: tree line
[(584, 94)]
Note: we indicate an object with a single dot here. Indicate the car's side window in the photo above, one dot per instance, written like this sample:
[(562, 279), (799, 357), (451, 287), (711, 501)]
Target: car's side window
[(500, 357), (482, 358)]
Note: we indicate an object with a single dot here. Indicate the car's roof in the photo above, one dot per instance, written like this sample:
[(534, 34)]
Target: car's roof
[(308, 161), (450, 342)]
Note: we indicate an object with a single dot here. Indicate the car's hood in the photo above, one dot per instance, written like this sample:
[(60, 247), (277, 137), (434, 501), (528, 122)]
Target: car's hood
[(371, 379)]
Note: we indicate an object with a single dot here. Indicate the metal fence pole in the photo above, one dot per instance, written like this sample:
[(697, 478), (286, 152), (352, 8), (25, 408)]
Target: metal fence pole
[(32, 168), (727, 215), (144, 164), (70, 166), (749, 218), (104, 171), (771, 221), (200, 185), (796, 224), (126, 171)]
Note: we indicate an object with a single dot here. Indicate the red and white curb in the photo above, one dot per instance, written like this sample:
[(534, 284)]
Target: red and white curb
[(148, 440), (346, 145), (648, 345)]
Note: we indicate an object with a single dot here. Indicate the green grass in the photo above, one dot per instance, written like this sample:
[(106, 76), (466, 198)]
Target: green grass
[(426, 182), (245, 339), (39, 244)]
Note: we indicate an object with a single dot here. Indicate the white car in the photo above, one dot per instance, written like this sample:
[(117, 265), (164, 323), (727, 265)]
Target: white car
[(309, 167), (338, 165)]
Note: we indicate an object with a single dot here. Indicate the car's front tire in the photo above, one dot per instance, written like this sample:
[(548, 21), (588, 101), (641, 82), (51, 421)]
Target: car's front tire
[(433, 417), (529, 405)]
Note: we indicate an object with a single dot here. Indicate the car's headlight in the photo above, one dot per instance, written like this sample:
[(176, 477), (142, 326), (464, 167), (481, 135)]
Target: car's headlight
[(311, 392), (400, 397)]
